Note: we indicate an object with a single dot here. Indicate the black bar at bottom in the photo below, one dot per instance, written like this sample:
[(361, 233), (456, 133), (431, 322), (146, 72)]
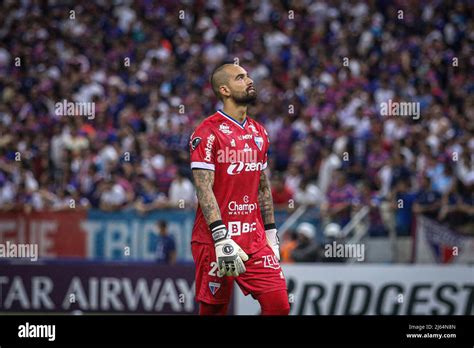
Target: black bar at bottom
[(139, 330)]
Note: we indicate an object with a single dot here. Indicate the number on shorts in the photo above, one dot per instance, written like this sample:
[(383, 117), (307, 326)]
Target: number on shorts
[(213, 272)]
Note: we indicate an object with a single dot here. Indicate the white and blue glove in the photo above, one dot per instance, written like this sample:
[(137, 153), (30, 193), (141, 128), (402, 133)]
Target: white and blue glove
[(272, 239), (230, 256)]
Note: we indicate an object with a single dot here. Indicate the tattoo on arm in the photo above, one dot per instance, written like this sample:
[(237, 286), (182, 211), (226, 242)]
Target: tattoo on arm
[(265, 199), (204, 180)]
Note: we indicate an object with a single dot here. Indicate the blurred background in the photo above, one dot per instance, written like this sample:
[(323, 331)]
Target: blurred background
[(107, 196)]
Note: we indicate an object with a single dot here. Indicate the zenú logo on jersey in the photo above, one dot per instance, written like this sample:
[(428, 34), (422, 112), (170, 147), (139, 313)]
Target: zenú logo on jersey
[(239, 167)]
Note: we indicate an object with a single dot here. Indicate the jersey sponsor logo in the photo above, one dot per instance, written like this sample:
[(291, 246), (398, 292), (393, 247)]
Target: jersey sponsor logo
[(210, 142), (214, 287), (239, 167), (195, 142), (242, 208), (246, 137), (224, 128), (252, 127), (236, 228), (232, 143), (270, 261), (259, 142)]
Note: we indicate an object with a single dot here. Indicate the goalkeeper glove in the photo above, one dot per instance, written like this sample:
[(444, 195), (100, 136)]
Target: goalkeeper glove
[(230, 256), (272, 239)]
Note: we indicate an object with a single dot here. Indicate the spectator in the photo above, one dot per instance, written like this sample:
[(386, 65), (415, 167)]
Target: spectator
[(341, 197), (372, 199), (281, 194), (7, 193), (181, 193), (333, 234), (166, 175), (457, 208), (288, 244), (465, 167), (165, 245), (400, 171), (428, 201), (61, 201), (309, 194), (329, 163), (149, 198), (444, 180), (307, 249), (286, 137), (402, 203), (293, 178), (112, 196), (376, 159)]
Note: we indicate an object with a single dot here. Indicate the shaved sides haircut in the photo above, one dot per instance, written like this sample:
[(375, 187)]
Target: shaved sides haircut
[(219, 77)]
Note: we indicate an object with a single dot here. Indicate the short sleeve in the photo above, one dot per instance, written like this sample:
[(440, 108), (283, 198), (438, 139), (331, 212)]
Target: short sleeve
[(202, 147), (266, 148)]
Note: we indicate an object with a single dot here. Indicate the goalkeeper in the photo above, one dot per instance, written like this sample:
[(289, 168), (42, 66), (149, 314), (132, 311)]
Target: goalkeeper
[(234, 234)]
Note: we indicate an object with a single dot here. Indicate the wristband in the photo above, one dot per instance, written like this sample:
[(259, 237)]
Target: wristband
[(218, 230), (270, 226)]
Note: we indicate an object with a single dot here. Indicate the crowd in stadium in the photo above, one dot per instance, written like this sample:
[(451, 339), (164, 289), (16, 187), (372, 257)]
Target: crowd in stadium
[(322, 70)]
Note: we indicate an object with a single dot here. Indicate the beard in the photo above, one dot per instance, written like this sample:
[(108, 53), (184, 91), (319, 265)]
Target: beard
[(245, 98)]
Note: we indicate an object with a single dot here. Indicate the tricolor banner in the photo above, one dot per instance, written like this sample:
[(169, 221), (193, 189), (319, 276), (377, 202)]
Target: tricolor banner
[(435, 243)]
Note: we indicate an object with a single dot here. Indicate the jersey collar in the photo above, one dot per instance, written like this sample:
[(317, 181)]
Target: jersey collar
[(230, 118)]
